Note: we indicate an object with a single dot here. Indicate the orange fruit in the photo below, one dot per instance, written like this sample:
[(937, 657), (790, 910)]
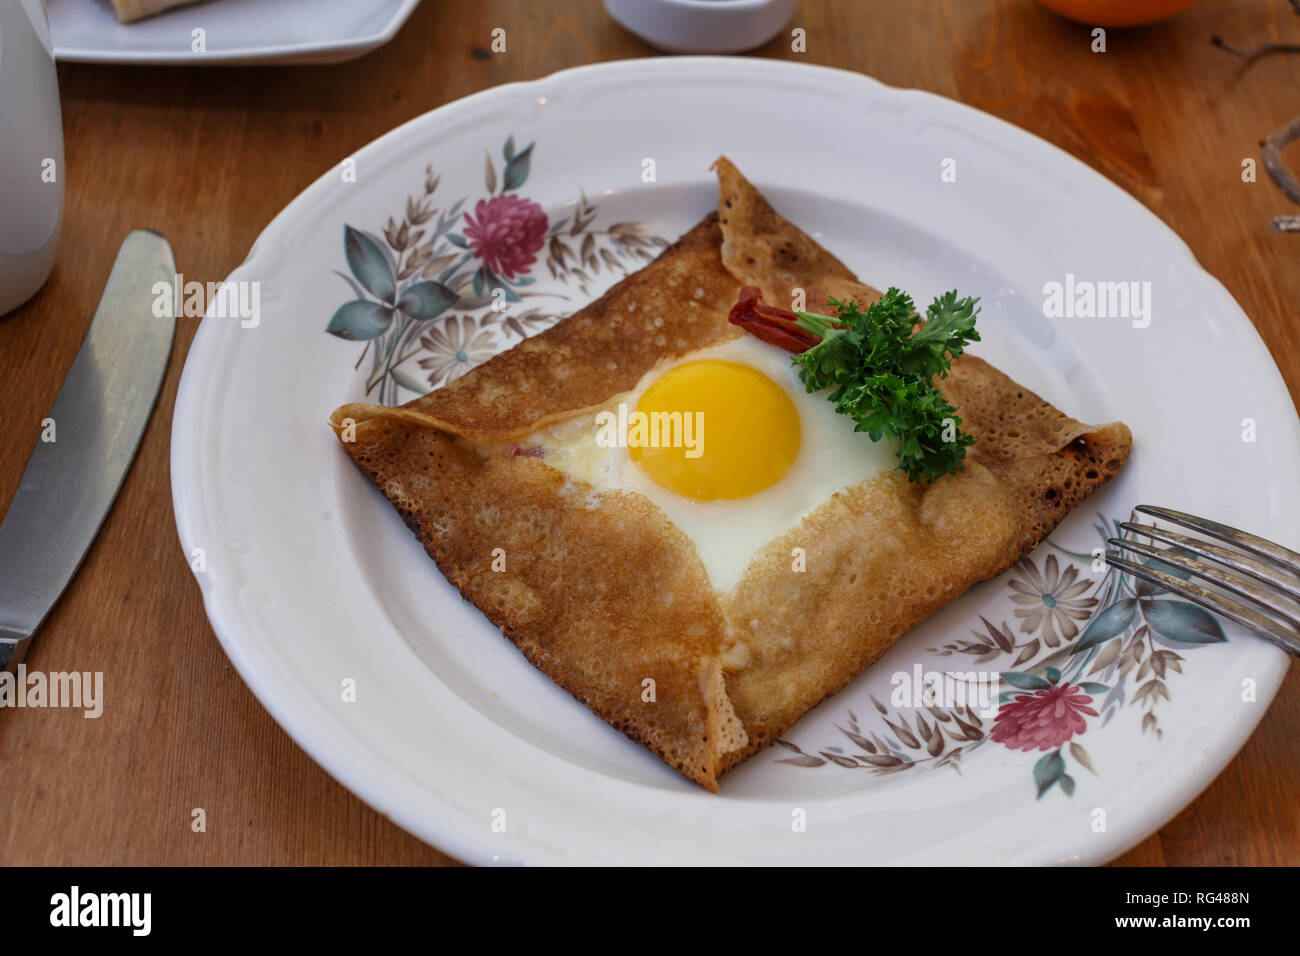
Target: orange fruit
[(1117, 13)]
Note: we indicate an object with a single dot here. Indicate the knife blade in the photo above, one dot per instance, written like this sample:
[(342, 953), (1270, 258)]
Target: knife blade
[(98, 419)]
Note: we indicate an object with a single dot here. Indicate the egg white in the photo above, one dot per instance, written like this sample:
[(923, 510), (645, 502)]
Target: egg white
[(727, 533)]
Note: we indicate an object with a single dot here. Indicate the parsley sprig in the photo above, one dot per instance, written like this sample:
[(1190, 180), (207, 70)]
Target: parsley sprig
[(880, 367)]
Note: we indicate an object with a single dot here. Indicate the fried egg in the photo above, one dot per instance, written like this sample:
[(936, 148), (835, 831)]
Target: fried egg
[(726, 442)]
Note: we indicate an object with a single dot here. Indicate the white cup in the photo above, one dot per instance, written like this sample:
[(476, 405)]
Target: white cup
[(31, 152), (703, 26)]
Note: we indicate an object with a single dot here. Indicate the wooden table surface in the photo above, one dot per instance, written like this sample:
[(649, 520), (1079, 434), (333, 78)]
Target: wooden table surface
[(209, 156)]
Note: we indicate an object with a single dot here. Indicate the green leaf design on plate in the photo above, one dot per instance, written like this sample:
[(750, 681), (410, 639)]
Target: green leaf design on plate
[(1049, 770), (1182, 623), (1025, 681), (408, 383), (517, 169), (426, 300), (369, 264), (359, 320), (1111, 622), (456, 239), (1092, 687)]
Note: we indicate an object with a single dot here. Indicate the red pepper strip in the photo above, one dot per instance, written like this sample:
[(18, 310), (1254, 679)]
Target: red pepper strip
[(771, 324)]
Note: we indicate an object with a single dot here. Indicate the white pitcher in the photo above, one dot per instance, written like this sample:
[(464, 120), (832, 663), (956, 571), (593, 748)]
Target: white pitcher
[(31, 152)]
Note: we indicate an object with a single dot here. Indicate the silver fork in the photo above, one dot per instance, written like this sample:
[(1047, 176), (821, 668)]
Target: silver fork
[(1272, 611)]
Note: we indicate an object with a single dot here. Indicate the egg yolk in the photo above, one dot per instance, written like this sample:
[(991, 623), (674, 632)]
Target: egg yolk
[(714, 430)]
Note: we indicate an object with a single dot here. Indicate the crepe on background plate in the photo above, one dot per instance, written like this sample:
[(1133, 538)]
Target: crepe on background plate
[(602, 591), (130, 10)]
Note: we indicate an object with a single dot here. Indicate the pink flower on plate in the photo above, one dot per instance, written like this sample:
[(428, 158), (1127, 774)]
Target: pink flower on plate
[(506, 233), (1044, 719)]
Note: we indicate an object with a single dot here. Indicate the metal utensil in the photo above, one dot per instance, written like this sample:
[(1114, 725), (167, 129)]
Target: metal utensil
[(1264, 574), (98, 418)]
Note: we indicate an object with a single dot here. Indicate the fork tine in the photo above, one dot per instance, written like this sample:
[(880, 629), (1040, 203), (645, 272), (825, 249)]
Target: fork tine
[(1281, 635), (1256, 545), (1267, 573), (1196, 569)]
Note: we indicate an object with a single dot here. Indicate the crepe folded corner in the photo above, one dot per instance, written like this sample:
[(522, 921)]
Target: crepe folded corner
[(605, 595)]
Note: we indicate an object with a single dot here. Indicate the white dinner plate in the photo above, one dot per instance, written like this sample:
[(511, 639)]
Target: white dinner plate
[(233, 31), (364, 653)]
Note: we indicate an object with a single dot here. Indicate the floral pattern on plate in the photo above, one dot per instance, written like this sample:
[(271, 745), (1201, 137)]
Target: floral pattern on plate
[(436, 290), (1059, 682)]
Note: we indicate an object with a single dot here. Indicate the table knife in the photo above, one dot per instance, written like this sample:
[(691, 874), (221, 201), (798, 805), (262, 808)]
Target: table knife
[(88, 440)]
